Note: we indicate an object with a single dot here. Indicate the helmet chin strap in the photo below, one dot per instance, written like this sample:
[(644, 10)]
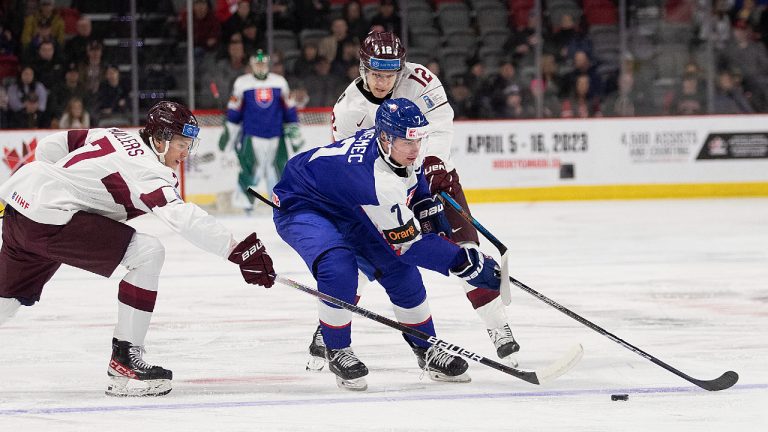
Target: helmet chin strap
[(160, 155)]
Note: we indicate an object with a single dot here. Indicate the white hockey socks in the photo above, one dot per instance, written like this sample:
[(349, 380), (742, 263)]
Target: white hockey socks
[(8, 308), (138, 290)]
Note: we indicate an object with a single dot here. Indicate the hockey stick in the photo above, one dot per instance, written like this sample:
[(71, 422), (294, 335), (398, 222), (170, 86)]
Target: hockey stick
[(544, 375), (722, 382), (552, 371)]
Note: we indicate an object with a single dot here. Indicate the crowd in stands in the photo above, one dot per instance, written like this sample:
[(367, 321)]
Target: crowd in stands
[(64, 63)]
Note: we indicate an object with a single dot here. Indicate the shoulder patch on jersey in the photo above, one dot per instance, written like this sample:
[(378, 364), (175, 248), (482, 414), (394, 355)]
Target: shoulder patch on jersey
[(402, 234), (434, 98)]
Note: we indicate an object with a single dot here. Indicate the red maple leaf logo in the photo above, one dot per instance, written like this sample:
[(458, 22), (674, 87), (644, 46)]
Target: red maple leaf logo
[(14, 161)]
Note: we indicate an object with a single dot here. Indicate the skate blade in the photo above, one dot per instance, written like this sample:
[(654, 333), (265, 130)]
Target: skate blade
[(126, 387), (440, 377), (315, 364), (357, 384)]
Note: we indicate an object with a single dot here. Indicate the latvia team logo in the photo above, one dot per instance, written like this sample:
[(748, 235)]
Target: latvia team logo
[(264, 96)]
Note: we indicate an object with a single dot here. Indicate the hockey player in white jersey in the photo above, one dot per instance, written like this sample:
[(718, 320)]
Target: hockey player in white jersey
[(68, 207), (384, 74), (259, 112)]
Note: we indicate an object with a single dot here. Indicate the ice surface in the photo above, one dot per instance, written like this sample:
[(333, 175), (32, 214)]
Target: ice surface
[(683, 280)]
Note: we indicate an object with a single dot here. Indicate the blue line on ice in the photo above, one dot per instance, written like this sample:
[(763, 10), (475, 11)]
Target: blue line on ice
[(374, 399)]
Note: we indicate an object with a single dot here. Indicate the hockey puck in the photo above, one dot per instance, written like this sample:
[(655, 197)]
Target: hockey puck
[(619, 397)]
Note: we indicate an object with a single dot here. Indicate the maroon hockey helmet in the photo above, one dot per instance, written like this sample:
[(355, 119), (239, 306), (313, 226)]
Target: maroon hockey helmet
[(381, 51), (166, 119)]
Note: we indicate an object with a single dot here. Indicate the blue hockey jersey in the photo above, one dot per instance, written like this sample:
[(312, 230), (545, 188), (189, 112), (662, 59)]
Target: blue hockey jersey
[(348, 182)]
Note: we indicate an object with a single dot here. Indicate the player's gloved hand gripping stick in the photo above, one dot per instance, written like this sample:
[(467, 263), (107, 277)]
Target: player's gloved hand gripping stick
[(722, 382)]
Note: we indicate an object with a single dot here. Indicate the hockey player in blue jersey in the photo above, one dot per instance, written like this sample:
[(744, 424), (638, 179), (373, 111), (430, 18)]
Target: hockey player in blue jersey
[(362, 202), (260, 104)]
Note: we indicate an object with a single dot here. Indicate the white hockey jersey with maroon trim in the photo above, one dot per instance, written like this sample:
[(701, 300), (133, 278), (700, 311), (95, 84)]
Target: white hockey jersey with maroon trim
[(355, 110), (109, 172)]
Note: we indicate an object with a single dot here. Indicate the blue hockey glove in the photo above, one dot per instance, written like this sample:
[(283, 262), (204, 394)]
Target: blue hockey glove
[(479, 270), (431, 217)]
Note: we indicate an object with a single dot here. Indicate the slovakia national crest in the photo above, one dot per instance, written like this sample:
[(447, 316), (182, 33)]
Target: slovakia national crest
[(263, 96), (392, 107)]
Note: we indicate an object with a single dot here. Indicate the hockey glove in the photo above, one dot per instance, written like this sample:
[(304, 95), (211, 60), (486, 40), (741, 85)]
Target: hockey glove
[(431, 216), (438, 178), (255, 264), (229, 135), (293, 137), (479, 270)]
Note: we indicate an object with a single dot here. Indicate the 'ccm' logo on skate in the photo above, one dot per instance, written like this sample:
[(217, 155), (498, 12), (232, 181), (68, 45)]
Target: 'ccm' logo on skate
[(19, 200), (122, 370), (454, 349), (402, 234), (252, 250)]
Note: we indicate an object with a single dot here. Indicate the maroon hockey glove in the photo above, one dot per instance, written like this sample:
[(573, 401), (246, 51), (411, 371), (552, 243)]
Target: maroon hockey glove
[(255, 264), (438, 178)]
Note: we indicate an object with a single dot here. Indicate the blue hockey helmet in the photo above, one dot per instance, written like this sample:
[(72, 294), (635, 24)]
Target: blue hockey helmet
[(399, 118)]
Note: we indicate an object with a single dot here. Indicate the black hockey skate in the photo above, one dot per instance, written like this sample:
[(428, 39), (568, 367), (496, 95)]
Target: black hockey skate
[(316, 352), (441, 365), (130, 375), (349, 370), (505, 343)]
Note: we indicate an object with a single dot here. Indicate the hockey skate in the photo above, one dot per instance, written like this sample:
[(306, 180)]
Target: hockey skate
[(130, 375), (316, 361), (440, 365), (505, 343), (349, 370)]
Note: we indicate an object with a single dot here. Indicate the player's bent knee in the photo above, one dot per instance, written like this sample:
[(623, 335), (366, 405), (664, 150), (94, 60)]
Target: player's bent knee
[(144, 251)]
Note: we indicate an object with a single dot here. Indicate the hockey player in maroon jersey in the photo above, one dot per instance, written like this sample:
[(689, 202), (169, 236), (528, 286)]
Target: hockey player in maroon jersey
[(68, 207)]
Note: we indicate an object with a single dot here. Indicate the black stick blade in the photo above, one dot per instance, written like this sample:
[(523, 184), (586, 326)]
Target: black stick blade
[(724, 381)]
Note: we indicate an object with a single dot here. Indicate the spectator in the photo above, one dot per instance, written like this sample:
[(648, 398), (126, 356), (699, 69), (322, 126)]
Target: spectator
[(353, 72), (689, 99), (513, 104), (462, 100), (306, 63), (748, 57), (48, 67), (253, 40), (580, 104), (549, 73), (24, 85), (43, 34), (206, 28), (550, 103), (729, 97), (582, 65), (523, 39), (92, 71), (475, 78), (387, 18), (349, 57), (72, 88), (236, 22), (506, 77), (31, 115), (75, 116), (628, 101), (358, 25), (75, 49), (111, 99), (331, 46), (44, 15), (323, 87), (313, 14), (217, 79), (564, 34)]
